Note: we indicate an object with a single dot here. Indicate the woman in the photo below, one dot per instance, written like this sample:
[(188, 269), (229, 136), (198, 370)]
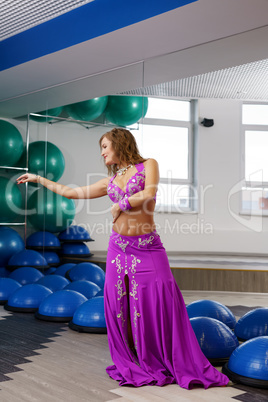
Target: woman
[(150, 336)]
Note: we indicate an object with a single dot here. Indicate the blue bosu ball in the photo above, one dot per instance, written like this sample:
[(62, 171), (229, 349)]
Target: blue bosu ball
[(86, 271), (10, 243), (52, 258), (60, 306), (252, 324), (62, 269), (7, 287), (87, 288), (248, 364), (216, 340), (75, 250), (27, 299), (26, 275), (43, 240), (89, 317), (54, 282), (27, 258), (212, 309), (73, 234)]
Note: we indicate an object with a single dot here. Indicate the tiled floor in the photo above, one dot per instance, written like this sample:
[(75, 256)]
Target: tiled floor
[(43, 361)]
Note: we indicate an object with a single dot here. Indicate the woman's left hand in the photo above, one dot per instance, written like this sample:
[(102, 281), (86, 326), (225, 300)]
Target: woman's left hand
[(116, 211)]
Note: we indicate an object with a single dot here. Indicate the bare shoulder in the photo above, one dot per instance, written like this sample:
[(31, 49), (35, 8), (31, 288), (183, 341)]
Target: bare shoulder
[(106, 180), (151, 163)]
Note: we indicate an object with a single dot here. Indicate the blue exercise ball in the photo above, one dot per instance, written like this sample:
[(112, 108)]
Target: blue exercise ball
[(217, 341), (60, 306), (54, 282), (53, 112), (49, 211), (87, 288), (86, 271), (87, 110), (10, 243), (52, 258), (27, 258), (27, 299), (89, 317), (75, 250), (62, 269), (10, 201), (11, 144), (248, 363), (46, 160), (73, 234), (213, 309), (126, 110), (26, 275), (252, 324), (43, 240), (7, 287)]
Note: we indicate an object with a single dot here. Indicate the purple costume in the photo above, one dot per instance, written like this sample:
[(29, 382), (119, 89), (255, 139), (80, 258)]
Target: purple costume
[(139, 285)]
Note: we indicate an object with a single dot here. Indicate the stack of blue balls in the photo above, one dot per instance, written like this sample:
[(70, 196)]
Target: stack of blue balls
[(73, 241)]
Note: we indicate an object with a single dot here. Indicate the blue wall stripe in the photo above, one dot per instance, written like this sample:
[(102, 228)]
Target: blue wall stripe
[(81, 24)]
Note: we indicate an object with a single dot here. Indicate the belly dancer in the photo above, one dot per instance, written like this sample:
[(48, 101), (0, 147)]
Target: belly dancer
[(150, 336)]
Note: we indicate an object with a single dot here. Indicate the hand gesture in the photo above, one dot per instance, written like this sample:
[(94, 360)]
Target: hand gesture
[(115, 211), (28, 177)]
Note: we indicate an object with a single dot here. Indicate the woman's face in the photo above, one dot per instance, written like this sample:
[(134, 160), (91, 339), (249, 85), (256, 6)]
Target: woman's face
[(108, 152)]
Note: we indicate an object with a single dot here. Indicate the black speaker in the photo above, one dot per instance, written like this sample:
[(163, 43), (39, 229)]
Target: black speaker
[(207, 122)]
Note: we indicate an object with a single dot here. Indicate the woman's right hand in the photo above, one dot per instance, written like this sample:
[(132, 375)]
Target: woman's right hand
[(28, 177)]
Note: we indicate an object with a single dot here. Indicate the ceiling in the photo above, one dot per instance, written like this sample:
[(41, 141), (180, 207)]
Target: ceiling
[(19, 15), (246, 82), (208, 48)]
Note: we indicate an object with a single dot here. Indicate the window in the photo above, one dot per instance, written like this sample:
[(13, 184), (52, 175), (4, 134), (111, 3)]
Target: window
[(166, 134), (255, 160)]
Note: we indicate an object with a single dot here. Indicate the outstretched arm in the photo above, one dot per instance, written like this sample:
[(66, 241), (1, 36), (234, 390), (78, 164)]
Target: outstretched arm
[(98, 189)]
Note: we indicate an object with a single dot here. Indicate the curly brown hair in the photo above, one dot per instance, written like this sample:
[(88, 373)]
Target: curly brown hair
[(125, 147)]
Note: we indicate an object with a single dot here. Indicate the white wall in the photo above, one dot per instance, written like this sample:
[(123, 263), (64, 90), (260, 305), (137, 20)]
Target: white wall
[(215, 228)]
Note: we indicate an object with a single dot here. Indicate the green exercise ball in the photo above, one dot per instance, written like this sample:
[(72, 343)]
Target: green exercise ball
[(11, 206), (87, 110), (46, 160), (50, 112), (11, 144), (125, 110), (49, 211)]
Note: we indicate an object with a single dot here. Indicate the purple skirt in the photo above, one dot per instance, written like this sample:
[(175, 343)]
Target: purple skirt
[(166, 350)]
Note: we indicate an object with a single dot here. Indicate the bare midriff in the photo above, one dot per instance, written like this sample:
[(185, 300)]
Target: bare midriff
[(136, 221)]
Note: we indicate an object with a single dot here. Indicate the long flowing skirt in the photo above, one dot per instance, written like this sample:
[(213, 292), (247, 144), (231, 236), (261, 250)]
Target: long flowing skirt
[(143, 304)]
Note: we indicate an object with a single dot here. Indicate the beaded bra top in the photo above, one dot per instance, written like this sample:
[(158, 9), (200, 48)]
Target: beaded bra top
[(134, 185)]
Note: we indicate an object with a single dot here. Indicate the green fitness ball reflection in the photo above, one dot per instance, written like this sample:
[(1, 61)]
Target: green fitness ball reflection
[(50, 112), (126, 110), (46, 160), (11, 144), (49, 211), (10, 201), (87, 110)]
